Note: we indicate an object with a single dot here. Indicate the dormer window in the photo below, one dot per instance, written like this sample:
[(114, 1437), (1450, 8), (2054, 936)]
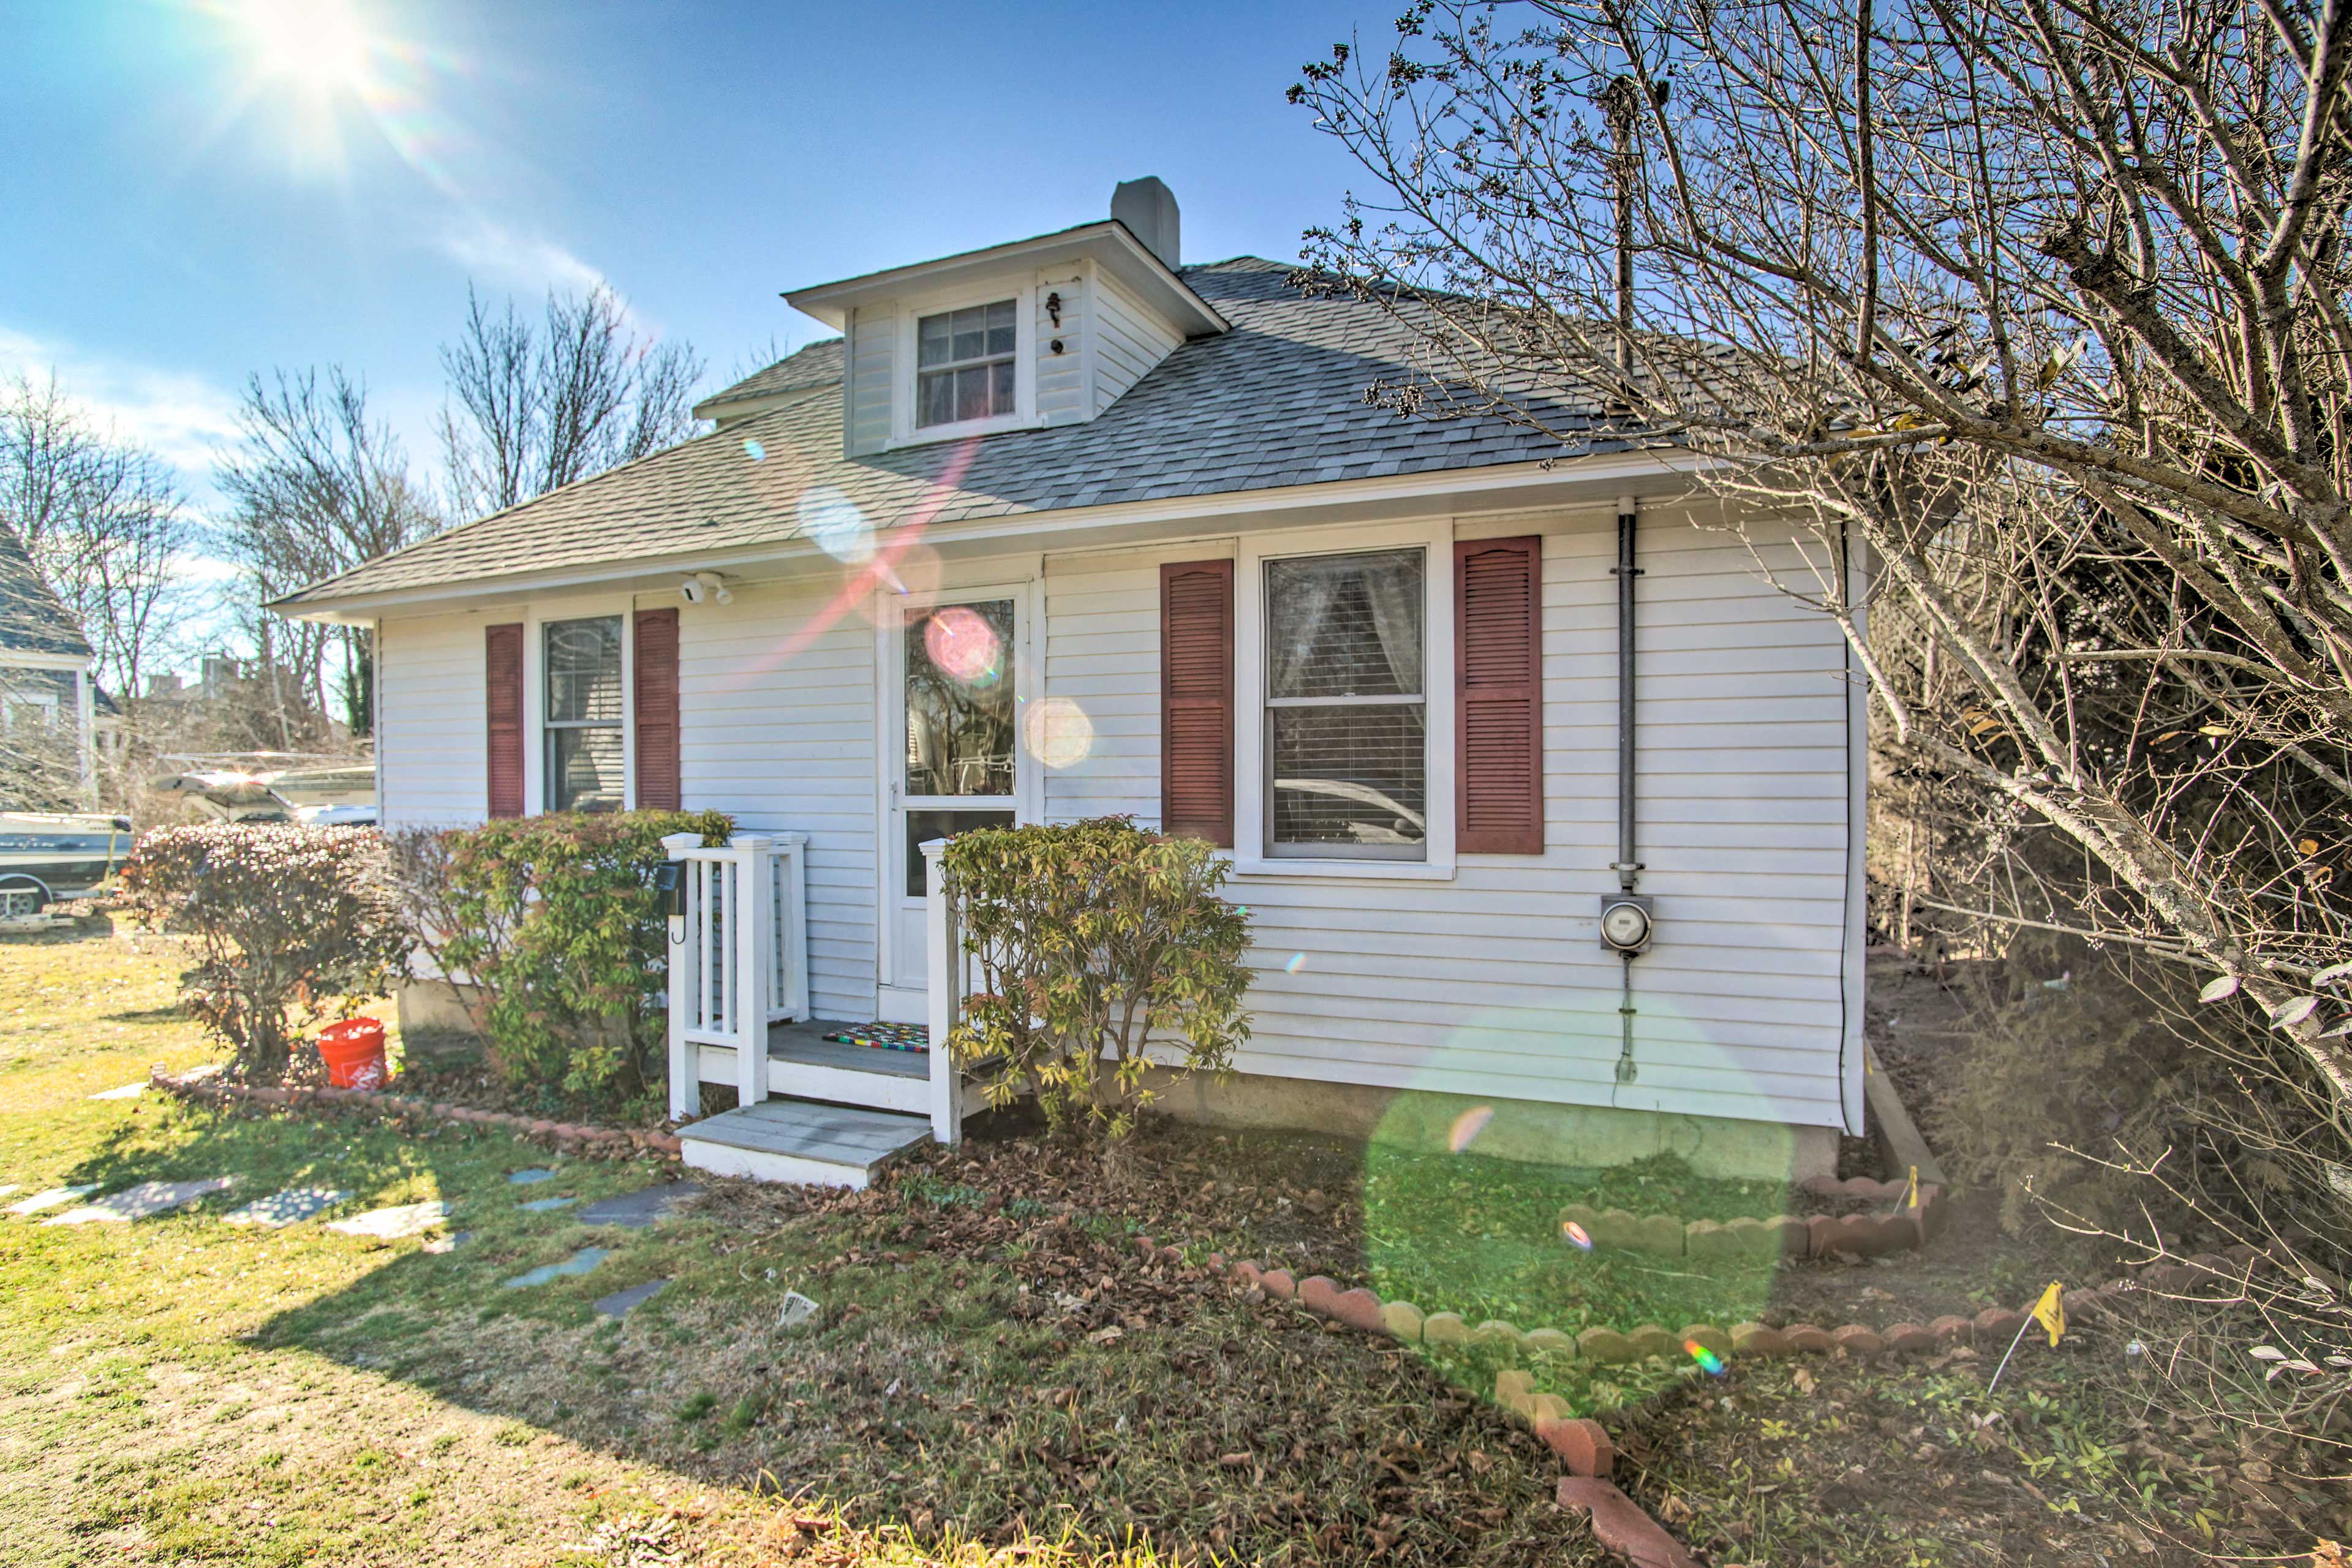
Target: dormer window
[(964, 365)]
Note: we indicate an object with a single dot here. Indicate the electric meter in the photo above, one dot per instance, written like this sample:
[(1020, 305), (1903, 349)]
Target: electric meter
[(1625, 923)]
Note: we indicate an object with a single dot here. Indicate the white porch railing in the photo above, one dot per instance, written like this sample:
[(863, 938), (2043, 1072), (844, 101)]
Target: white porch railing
[(738, 963), (738, 956), (947, 976)]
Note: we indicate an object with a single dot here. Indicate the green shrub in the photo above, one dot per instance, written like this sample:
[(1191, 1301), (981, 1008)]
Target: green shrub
[(292, 924), (556, 920), (1091, 939)]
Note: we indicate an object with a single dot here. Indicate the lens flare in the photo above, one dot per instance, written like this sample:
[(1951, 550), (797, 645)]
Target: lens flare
[(1298, 962), (1575, 1235), (964, 645), (1468, 1126), (831, 519), (1708, 1362), (1058, 732), (753, 451)]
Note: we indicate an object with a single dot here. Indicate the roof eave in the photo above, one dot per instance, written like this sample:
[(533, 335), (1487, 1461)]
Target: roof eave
[(1110, 239), (1642, 468)]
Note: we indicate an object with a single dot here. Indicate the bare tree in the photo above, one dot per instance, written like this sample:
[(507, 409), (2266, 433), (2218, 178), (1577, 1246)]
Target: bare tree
[(104, 523), (532, 407), (317, 487), (2041, 299)]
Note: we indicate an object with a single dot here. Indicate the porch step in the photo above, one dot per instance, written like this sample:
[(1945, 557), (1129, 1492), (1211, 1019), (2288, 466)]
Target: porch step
[(800, 1142)]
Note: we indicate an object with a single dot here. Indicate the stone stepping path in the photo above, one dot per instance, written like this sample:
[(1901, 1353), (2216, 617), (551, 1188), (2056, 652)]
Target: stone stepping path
[(449, 1243), (392, 1224), (529, 1178), (640, 1209), (544, 1205), (144, 1201), (618, 1303), (127, 1091), (51, 1199), (291, 1206), (580, 1262), (7, 1187)]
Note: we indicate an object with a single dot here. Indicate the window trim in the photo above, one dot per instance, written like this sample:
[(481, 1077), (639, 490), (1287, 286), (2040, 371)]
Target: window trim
[(1010, 358), (904, 431), (48, 703), (1434, 538), (536, 619)]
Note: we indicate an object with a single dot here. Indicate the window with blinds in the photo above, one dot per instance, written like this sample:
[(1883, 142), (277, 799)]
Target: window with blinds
[(1346, 723), (585, 710)]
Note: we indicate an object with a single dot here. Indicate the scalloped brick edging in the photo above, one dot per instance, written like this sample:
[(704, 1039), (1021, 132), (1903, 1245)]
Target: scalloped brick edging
[(1582, 1445), (1363, 1308), (567, 1137), (1779, 1237)]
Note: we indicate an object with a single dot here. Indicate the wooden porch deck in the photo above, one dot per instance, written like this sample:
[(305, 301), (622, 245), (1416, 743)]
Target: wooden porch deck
[(805, 1045)]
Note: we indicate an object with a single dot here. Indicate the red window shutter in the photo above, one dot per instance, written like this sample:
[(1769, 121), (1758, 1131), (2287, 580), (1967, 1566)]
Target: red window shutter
[(502, 662), (657, 680), (1196, 700), (1498, 695)]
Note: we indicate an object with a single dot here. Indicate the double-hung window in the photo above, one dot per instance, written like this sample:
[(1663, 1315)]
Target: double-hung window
[(1345, 746), (585, 710), (964, 365)]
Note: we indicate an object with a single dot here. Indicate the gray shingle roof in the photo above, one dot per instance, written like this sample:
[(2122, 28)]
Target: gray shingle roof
[(32, 619), (1277, 401), (817, 365)]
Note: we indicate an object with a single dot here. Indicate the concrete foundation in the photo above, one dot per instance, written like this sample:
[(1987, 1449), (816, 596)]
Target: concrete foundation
[(434, 1007), (1578, 1135)]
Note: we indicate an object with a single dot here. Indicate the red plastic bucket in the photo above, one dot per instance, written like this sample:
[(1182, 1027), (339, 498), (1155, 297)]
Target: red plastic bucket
[(353, 1052)]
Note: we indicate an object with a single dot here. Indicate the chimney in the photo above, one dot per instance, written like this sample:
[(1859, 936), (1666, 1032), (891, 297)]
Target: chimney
[(1147, 208)]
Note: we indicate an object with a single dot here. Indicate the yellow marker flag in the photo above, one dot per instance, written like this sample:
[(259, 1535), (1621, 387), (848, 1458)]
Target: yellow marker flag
[(2051, 1311), (1911, 1198)]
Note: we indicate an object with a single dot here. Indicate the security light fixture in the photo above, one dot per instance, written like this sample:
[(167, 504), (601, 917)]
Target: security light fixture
[(704, 585)]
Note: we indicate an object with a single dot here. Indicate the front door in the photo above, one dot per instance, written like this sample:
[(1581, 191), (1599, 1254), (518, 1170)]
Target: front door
[(954, 757)]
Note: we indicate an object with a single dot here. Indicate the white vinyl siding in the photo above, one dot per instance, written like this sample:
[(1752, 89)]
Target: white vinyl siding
[(431, 734), (1062, 377), (776, 727), (1495, 983), (1130, 339), (867, 365)]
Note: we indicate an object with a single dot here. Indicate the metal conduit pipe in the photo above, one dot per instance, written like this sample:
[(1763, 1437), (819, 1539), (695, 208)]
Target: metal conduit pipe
[(1625, 916)]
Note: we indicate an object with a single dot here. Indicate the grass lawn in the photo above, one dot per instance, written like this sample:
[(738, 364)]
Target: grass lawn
[(993, 1373)]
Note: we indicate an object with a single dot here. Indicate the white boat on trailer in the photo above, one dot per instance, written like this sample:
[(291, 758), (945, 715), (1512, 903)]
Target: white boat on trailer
[(46, 856)]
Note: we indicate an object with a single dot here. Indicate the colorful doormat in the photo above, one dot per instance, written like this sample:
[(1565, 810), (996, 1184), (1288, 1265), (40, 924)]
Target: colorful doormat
[(884, 1036)]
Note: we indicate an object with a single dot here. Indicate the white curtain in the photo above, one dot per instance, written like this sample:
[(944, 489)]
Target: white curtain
[(1307, 591)]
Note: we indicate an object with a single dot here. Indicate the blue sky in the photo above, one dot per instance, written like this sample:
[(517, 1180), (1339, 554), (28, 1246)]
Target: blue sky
[(184, 207)]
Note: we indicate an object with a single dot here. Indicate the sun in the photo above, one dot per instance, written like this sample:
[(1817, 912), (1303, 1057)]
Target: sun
[(317, 45)]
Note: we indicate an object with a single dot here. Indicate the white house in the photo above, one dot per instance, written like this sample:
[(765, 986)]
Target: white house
[(1067, 527)]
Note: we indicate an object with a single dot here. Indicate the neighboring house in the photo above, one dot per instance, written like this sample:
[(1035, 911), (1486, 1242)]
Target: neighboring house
[(48, 702), (1063, 528)]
